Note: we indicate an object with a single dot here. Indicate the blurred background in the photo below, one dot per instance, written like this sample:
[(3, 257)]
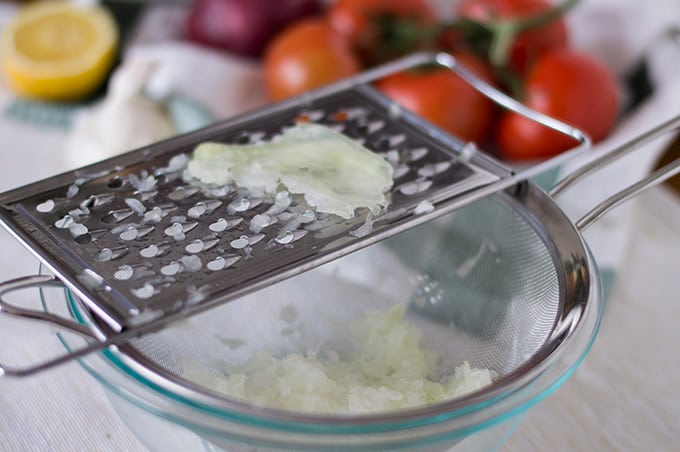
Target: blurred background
[(115, 75)]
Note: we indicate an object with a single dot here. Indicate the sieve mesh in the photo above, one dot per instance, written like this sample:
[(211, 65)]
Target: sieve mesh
[(481, 284)]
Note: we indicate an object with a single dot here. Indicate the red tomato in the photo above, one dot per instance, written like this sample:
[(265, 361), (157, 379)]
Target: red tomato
[(443, 98), (528, 45), (351, 18), (305, 56), (566, 85), (380, 30)]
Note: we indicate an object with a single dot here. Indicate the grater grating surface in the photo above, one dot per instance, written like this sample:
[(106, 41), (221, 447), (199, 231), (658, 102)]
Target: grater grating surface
[(138, 242)]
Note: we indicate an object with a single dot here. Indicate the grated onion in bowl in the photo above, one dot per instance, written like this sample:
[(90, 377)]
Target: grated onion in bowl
[(385, 368)]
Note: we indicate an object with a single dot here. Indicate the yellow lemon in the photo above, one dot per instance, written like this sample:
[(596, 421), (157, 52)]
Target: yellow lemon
[(58, 51)]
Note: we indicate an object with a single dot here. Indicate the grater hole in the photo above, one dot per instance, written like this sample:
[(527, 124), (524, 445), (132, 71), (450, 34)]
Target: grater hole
[(46, 207), (154, 250), (400, 171), (162, 178), (116, 216), (88, 203), (183, 192), (341, 116), (116, 182), (110, 254), (242, 138), (386, 142), (83, 239)]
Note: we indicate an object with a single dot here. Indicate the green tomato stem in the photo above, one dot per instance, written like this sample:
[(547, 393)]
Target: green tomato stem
[(504, 35), (506, 30), (545, 17)]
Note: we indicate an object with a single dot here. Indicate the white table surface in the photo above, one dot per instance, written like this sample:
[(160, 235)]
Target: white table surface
[(625, 396)]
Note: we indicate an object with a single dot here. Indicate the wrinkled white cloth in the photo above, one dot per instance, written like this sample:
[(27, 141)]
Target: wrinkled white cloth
[(224, 84), (621, 32)]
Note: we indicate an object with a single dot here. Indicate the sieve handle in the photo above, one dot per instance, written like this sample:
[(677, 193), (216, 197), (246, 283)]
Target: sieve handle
[(662, 174), (34, 314), (98, 343), (581, 140)]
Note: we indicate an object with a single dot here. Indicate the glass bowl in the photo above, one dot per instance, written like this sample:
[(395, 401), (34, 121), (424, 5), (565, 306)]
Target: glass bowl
[(169, 413)]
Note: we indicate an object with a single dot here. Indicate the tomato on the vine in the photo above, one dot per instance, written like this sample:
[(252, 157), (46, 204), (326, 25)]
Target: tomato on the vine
[(380, 30), (566, 85), (528, 45), (442, 97), (352, 18), (305, 56)]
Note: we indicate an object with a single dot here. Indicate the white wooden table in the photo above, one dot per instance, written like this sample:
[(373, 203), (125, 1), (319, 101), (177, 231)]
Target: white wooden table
[(625, 396)]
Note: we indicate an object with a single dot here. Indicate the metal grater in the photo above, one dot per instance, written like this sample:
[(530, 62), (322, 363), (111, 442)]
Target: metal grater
[(141, 246)]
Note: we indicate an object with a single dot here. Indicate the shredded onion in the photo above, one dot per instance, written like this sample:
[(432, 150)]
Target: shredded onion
[(387, 368), (334, 173)]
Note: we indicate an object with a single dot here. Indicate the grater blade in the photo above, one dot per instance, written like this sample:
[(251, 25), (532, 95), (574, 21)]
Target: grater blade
[(141, 246)]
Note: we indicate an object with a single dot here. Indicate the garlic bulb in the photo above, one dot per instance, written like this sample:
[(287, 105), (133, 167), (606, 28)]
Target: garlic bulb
[(124, 120)]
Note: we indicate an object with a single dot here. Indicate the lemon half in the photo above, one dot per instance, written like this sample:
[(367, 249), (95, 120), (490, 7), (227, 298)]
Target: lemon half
[(58, 51)]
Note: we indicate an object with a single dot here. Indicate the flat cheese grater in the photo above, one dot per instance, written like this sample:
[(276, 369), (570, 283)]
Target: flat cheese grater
[(141, 246)]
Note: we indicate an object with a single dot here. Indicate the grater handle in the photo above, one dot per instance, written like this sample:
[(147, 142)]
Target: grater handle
[(33, 314), (582, 141)]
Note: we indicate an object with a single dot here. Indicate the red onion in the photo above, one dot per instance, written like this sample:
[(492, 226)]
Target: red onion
[(244, 26)]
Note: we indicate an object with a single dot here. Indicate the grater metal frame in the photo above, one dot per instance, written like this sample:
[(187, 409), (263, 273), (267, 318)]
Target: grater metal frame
[(491, 177)]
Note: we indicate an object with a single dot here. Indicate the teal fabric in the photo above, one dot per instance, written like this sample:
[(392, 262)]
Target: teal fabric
[(185, 114), (607, 278), (41, 114), (547, 179)]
